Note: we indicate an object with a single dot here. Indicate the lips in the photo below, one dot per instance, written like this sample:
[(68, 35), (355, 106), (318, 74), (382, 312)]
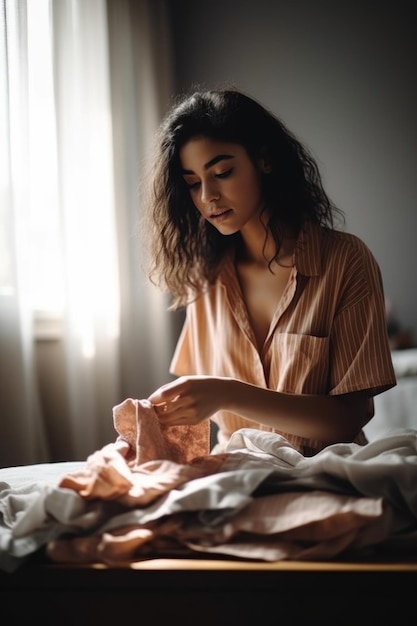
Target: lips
[(219, 213)]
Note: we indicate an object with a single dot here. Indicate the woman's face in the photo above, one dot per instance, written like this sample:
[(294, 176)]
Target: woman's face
[(223, 182)]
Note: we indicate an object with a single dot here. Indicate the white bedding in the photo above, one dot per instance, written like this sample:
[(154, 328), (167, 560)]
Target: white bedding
[(397, 407), (405, 362)]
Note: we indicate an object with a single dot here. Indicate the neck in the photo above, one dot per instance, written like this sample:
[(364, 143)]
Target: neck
[(256, 250)]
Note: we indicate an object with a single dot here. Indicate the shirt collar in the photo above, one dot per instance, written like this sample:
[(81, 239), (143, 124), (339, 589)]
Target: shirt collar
[(307, 256)]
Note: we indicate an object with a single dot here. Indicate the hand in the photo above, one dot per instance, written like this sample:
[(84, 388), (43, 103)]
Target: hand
[(188, 399)]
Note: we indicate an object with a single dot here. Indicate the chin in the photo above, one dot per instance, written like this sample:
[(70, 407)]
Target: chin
[(227, 231)]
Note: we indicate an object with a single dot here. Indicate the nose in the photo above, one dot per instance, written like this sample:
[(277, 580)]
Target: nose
[(209, 192)]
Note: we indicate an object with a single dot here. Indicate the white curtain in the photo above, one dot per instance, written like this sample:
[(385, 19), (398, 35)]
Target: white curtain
[(74, 147)]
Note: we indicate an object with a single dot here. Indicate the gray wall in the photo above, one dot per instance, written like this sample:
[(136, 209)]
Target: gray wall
[(341, 75)]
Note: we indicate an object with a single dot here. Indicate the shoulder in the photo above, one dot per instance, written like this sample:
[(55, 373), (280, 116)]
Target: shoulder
[(350, 264), (351, 252), (319, 248), (340, 239), (340, 262), (345, 247)]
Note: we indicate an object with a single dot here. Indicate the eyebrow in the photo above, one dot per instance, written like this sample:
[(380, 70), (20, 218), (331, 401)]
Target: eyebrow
[(216, 159)]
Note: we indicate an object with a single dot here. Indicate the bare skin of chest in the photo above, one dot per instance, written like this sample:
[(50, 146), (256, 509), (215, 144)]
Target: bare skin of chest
[(262, 290)]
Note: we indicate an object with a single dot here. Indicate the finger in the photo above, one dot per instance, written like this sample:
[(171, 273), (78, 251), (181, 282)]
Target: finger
[(167, 407), (160, 409)]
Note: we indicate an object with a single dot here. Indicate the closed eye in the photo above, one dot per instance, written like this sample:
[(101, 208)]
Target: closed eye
[(192, 185), (224, 174), (220, 175)]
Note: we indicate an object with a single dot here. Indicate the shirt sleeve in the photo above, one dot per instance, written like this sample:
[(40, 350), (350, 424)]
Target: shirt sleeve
[(360, 352)]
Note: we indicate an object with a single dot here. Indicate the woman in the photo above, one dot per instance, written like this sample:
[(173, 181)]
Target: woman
[(285, 327)]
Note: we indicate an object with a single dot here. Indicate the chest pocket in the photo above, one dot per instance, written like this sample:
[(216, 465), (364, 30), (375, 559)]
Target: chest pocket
[(299, 364)]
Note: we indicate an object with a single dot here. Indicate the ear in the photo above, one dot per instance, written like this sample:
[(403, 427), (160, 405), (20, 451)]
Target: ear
[(264, 162), (265, 166)]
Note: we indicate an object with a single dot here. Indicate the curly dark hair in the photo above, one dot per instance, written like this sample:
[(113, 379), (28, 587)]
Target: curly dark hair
[(185, 250)]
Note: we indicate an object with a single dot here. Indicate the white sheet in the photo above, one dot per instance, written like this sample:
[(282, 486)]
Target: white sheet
[(405, 362), (394, 409)]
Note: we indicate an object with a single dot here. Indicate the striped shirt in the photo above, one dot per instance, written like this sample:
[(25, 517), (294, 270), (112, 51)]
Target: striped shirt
[(327, 336)]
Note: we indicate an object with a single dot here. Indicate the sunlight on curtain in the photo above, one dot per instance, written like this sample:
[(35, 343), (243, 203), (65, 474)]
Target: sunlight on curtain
[(141, 78), (83, 88), (44, 259), (22, 435), (87, 212)]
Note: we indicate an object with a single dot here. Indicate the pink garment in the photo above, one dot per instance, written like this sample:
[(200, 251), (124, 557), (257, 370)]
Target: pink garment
[(146, 460), (136, 423)]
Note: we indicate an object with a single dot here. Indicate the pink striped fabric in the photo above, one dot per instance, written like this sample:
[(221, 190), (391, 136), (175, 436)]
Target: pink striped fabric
[(328, 334)]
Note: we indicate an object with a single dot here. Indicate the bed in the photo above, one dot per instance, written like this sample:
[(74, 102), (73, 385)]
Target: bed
[(397, 407), (138, 532)]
